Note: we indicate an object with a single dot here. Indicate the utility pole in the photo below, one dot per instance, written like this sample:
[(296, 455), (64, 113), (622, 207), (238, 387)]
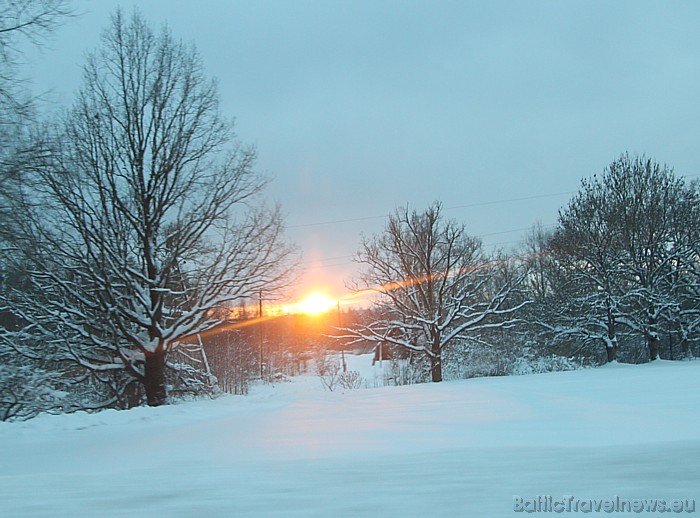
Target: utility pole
[(342, 345), (260, 332)]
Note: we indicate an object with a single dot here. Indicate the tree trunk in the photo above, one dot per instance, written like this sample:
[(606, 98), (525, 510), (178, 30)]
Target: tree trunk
[(612, 352), (436, 358), (653, 345), (436, 368), (685, 349), (611, 346), (652, 338), (683, 342), (154, 382)]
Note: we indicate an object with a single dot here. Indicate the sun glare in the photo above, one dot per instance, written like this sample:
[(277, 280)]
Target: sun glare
[(315, 304)]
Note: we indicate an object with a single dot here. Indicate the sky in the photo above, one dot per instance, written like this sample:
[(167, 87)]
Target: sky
[(497, 109)]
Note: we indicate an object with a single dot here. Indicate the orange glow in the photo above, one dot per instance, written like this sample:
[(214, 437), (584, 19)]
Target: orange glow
[(315, 304)]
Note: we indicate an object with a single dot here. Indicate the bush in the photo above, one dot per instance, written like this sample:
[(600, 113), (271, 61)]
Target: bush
[(351, 380), (530, 364)]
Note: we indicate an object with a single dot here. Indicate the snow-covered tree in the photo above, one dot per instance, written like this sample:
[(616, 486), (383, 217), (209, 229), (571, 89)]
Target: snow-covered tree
[(586, 250), (682, 282), (625, 251), (26, 387), (644, 202), (144, 218), (431, 285)]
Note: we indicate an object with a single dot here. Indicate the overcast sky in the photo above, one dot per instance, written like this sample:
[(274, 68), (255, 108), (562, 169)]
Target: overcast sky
[(357, 107)]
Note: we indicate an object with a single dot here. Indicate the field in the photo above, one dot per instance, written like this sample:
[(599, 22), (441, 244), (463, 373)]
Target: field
[(464, 448)]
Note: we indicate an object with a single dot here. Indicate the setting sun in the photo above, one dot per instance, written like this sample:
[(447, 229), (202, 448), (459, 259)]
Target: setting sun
[(315, 304)]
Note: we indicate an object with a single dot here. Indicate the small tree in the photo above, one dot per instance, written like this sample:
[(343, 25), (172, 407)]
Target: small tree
[(432, 285), (147, 223), (328, 368)]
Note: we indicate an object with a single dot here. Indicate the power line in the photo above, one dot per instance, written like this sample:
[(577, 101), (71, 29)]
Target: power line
[(344, 263), (331, 258), (466, 206), (334, 222), (521, 229), (509, 200), (469, 205)]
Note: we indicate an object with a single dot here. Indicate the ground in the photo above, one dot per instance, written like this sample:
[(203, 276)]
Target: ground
[(464, 448)]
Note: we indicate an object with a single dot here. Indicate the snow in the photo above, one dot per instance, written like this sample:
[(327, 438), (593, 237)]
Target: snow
[(461, 448)]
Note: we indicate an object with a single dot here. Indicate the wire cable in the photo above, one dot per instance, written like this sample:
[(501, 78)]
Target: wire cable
[(467, 206)]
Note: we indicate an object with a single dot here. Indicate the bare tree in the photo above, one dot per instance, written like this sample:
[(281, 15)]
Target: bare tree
[(535, 252), (432, 286), (22, 21), (327, 368), (150, 219)]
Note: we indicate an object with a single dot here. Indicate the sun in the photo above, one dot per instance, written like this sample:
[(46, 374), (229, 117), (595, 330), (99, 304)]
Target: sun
[(315, 304)]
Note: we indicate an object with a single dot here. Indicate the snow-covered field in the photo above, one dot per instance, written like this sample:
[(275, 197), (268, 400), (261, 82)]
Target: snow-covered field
[(452, 449)]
